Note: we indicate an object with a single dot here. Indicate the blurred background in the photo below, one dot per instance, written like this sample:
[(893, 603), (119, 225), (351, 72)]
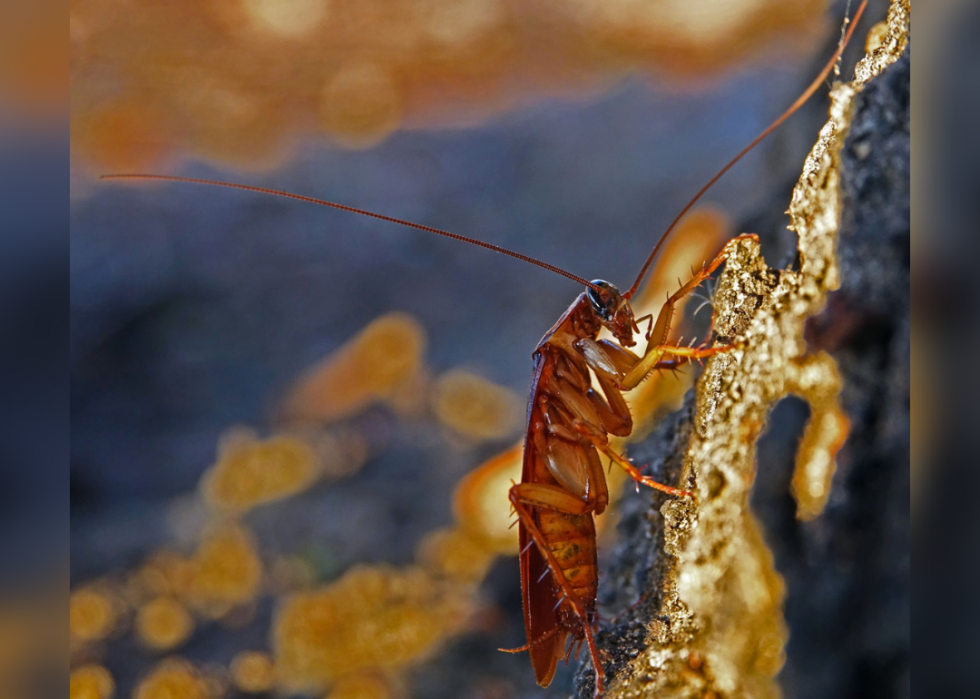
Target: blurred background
[(292, 428)]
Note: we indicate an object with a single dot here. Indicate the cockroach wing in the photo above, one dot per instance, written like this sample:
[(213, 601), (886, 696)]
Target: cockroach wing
[(538, 589)]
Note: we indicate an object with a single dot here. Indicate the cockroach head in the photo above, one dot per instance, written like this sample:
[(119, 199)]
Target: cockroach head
[(613, 310)]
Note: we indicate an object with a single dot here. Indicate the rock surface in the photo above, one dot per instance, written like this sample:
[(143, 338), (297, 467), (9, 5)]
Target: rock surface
[(847, 572)]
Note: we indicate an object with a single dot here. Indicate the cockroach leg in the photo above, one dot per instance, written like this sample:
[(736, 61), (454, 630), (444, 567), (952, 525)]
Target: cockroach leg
[(671, 364), (689, 352), (657, 347), (518, 499), (528, 646), (605, 358), (551, 497), (635, 474), (649, 320)]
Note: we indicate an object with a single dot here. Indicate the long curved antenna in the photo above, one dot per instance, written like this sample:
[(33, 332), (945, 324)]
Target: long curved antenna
[(351, 209), (769, 129)]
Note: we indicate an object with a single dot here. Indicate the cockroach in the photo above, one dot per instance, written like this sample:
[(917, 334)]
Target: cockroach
[(569, 422)]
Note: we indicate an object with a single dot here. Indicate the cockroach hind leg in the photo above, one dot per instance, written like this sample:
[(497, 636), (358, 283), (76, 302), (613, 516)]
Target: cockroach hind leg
[(528, 646), (574, 647), (567, 593), (599, 670), (520, 649)]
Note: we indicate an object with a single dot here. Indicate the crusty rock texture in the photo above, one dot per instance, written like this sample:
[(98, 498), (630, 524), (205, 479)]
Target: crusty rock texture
[(818, 590)]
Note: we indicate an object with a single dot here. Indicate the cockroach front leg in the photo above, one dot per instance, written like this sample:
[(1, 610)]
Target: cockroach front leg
[(669, 357), (658, 350), (648, 319)]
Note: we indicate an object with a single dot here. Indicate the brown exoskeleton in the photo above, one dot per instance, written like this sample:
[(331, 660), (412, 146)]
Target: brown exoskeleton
[(562, 483)]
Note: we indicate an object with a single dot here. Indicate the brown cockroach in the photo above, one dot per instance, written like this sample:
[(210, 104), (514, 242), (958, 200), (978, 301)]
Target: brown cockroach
[(569, 423)]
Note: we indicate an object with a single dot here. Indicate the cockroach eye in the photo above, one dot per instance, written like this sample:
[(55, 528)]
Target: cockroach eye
[(603, 302)]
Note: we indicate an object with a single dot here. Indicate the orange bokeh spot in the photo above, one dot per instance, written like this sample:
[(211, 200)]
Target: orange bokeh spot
[(163, 624), (362, 686), (480, 502), (226, 570), (91, 682), (361, 104), (457, 554), (367, 367), (251, 472), (92, 615), (123, 136), (373, 618), (474, 407), (175, 679), (253, 672)]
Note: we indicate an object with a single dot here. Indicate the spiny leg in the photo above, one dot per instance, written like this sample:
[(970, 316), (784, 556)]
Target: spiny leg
[(517, 503), (687, 353), (635, 474), (657, 347)]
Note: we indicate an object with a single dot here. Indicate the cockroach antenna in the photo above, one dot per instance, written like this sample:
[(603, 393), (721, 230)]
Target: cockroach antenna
[(818, 81), (843, 37), (362, 212)]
